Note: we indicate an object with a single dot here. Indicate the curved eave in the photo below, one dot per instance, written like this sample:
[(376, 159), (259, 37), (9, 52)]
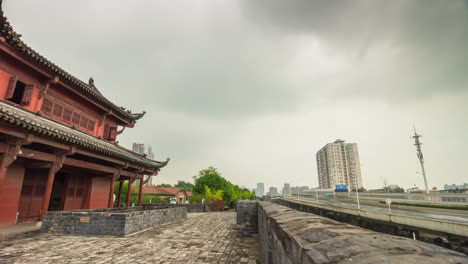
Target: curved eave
[(38, 125), (13, 39)]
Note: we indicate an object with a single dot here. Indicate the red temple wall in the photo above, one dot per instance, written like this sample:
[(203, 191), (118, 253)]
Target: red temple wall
[(8, 69), (99, 192), (10, 194), (4, 79), (73, 103)]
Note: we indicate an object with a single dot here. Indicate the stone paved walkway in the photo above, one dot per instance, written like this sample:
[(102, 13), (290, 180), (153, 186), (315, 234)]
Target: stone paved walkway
[(202, 238)]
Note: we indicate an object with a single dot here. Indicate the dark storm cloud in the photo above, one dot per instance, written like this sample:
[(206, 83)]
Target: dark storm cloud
[(257, 87), (428, 39), (240, 59), (194, 57)]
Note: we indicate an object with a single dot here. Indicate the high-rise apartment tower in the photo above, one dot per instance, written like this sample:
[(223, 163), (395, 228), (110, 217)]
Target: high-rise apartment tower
[(338, 164), (260, 189)]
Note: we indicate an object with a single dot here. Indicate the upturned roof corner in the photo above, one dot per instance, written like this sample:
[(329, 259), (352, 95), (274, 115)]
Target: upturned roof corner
[(13, 39)]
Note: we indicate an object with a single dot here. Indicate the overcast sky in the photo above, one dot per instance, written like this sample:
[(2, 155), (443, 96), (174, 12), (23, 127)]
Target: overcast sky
[(256, 88)]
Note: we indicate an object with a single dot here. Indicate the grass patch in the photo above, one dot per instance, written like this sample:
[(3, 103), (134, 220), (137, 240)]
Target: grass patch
[(443, 206)]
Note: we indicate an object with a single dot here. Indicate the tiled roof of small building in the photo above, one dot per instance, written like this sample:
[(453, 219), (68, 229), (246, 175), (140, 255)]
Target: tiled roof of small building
[(42, 126), (161, 190), (14, 40)]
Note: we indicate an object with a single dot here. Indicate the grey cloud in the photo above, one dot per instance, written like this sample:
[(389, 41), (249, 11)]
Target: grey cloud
[(429, 37), (237, 59), (256, 87)]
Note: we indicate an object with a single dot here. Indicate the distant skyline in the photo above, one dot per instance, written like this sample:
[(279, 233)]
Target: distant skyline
[(256, 88)]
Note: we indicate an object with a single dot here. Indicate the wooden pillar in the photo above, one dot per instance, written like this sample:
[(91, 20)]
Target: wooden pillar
[(129, 193), (50, 182), (111, 191), (110, 203), (7, 159), (3, 170), (140, 193), (119, 195)]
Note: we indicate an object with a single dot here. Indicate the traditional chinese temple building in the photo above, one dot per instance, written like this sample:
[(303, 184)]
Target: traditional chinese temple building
[(58, 148)]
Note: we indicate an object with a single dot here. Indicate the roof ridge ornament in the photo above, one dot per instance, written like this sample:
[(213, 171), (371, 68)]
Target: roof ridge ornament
[(137, 116), (91, 82)]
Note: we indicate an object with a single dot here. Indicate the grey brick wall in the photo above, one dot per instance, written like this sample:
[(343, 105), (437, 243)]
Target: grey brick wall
[(110, 222)]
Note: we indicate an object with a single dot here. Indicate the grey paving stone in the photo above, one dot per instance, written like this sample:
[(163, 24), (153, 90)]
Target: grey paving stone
[(202, 238)]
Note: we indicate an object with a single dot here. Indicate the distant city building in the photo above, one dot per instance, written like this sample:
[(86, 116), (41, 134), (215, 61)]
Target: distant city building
[(338, 164), (414, 190), (260, 192), (273, 191), (454, 186), (287, 189), (140, 148), (299, 189), (451, 193), (150, 153)]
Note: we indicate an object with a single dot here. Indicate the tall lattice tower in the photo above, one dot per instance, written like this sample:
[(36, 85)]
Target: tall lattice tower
[(419, 153)]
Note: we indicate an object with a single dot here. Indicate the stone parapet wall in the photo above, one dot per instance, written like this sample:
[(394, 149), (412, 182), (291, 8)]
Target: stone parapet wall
[(110, 222), (195, 207), (290, 236), (247, 217)]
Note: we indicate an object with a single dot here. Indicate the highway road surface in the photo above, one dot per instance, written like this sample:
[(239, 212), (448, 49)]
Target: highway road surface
[(451, 215)]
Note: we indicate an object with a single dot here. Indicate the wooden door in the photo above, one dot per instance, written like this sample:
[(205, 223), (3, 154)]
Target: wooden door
[(32, 194), (76, 186)]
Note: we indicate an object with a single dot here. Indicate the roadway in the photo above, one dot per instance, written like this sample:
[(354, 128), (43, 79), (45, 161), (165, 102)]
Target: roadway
[(450, 215)]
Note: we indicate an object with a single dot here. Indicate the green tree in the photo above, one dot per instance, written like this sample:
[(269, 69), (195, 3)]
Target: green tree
[(186, 186), (213, 195), (164, 185), (123, 199), (212, 179), (397, 190)]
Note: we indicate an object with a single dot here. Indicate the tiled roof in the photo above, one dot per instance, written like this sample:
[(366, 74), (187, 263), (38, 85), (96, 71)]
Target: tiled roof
[(161, 190), (14, 40), (39, 125)]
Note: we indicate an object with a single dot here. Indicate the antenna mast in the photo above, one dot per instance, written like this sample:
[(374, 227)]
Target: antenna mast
[(418, 144)]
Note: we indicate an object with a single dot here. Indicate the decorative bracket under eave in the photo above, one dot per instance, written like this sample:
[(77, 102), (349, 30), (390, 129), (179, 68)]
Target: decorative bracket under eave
[(44, 89), (121, 131)]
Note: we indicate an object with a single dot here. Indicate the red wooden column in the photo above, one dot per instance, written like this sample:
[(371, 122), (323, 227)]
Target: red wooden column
[(50, 182), (129, 193), (119, 195), (111, 191), (3, 170), (7, 159), (110, 203), (140, 193)]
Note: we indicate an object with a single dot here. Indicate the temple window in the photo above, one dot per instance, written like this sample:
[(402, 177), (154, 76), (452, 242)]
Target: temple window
[(110, 132), (68, 114), (18, 92)]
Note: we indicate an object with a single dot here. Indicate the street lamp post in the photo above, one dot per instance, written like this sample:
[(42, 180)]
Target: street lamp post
[(357, 195), (316, 194), (427, 197), (357, 191)]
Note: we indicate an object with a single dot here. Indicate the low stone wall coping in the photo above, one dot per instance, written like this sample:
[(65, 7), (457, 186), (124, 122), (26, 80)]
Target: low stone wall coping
[(290, 236), (110, 222)]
